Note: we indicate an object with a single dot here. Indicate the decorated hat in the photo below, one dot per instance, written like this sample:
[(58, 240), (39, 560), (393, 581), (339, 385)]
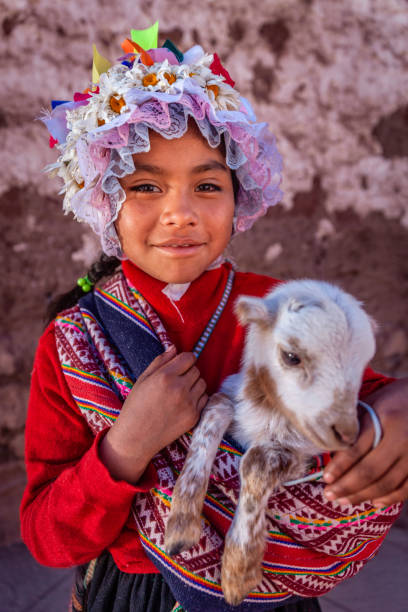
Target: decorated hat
[(160, 89)]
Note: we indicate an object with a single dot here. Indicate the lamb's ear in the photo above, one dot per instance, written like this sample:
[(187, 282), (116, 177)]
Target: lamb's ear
[(251, 310), (297, 303), (294, 304)]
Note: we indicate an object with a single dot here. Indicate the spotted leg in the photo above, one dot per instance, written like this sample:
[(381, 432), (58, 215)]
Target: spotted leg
[(262, 469), (184, 523)]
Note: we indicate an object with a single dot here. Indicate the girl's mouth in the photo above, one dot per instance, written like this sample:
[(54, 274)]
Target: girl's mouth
[(179, 246), (179, 249)]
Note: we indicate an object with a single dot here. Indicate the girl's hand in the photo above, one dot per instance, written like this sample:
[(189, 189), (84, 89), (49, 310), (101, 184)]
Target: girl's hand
[(379, 475), (165, 402)]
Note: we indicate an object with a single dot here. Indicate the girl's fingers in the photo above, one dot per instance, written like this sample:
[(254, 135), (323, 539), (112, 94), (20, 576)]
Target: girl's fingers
[(198, 389), (158, 362), (343, 461), (170, 364), (356, 480), (390, 481), (191, 377), (396, 496), (202, 402), (180, 364), (363, 472)]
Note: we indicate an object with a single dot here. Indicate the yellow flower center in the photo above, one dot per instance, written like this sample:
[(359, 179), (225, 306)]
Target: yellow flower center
[(170, 77), (149, 79), (116, 104), (214, 88)]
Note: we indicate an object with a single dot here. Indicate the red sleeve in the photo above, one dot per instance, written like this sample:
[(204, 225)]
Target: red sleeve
[(72, 509), (373, 381)]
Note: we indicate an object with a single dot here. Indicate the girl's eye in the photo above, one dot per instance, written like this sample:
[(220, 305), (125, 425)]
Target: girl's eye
[(208, 187), (145, 188)]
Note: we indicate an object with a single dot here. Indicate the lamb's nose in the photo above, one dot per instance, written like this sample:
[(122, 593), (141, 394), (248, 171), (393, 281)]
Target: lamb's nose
[(346, 435)]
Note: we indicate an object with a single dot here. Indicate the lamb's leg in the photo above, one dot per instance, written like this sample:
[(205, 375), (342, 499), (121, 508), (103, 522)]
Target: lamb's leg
[(184, 523), (262, 469)]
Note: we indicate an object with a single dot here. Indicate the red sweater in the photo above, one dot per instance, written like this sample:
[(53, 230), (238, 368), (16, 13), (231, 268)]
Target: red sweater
[(72, 508)]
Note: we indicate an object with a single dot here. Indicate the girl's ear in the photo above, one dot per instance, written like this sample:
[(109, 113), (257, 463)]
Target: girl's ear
[(251, 310)]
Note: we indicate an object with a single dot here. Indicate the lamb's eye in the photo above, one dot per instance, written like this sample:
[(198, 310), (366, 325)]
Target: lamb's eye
[(291, 359)]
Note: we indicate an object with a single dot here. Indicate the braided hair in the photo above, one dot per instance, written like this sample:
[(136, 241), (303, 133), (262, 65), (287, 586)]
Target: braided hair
[(104, 266)]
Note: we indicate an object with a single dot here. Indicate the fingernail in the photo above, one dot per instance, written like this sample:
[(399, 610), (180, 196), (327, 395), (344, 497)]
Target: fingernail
[(328, 477), (344, 501), (330, 495), (170, 349), (378, 504)]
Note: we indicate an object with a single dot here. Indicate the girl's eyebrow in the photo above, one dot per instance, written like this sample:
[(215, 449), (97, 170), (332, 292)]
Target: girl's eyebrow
[(149, 168), (210, 165)]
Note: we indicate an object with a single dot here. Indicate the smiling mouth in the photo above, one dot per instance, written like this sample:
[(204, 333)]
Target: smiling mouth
[(179, 248)]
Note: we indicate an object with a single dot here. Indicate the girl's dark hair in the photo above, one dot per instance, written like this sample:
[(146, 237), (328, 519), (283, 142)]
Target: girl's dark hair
[(235, 185), (104, 266)]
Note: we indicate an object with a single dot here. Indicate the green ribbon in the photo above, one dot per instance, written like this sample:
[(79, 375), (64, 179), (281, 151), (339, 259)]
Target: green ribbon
[(146, 38)]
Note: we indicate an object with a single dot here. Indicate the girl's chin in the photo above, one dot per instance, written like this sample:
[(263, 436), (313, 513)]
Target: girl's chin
[(174, 270), (170, 275), (177, 279)]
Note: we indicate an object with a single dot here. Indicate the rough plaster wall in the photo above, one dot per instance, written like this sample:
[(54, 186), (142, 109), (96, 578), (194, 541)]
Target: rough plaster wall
[(330, 75)]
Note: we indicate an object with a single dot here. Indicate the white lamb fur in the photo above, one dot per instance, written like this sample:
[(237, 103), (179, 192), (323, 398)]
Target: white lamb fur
[(307, 345)]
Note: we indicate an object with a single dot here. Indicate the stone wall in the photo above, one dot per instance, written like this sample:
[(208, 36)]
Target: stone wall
[(330, 75)]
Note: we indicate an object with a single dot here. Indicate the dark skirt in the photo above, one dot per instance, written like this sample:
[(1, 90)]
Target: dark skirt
[(110, 590)]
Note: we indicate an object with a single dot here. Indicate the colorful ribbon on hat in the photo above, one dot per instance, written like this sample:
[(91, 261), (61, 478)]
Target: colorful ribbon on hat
[(144, 44)]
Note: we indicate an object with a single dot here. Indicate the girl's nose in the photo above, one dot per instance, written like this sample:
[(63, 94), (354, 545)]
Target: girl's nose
[(179, 210)]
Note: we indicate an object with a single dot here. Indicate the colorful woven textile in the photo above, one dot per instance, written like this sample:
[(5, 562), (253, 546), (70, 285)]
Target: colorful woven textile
[(104, 344)]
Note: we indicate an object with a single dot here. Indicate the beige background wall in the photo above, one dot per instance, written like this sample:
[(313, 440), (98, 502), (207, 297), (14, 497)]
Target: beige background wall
[(330, 75)]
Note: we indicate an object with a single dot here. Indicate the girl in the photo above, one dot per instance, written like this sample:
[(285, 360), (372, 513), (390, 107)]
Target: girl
[(164, 159)]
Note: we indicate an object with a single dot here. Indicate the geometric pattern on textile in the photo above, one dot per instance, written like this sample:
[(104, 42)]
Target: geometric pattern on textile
[(312, 544)]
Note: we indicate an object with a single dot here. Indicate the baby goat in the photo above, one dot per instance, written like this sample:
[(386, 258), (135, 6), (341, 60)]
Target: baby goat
[(307, 345)]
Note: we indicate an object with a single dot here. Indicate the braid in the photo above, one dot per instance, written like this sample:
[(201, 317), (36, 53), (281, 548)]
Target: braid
[(104, 266)]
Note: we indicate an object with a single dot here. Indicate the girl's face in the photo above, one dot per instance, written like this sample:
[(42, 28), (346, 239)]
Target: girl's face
[(177, 216)]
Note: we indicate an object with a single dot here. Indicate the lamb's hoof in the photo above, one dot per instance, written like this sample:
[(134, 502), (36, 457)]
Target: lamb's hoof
[(182, 532), (240, 574)]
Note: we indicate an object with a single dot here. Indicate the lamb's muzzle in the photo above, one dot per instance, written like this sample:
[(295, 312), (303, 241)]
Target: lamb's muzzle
[(346, 435)]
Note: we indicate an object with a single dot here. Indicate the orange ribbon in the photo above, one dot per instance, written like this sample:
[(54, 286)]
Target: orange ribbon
[(130, 47)]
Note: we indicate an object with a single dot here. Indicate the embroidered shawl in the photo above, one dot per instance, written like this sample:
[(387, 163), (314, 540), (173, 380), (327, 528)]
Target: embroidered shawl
[(104, 343)]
